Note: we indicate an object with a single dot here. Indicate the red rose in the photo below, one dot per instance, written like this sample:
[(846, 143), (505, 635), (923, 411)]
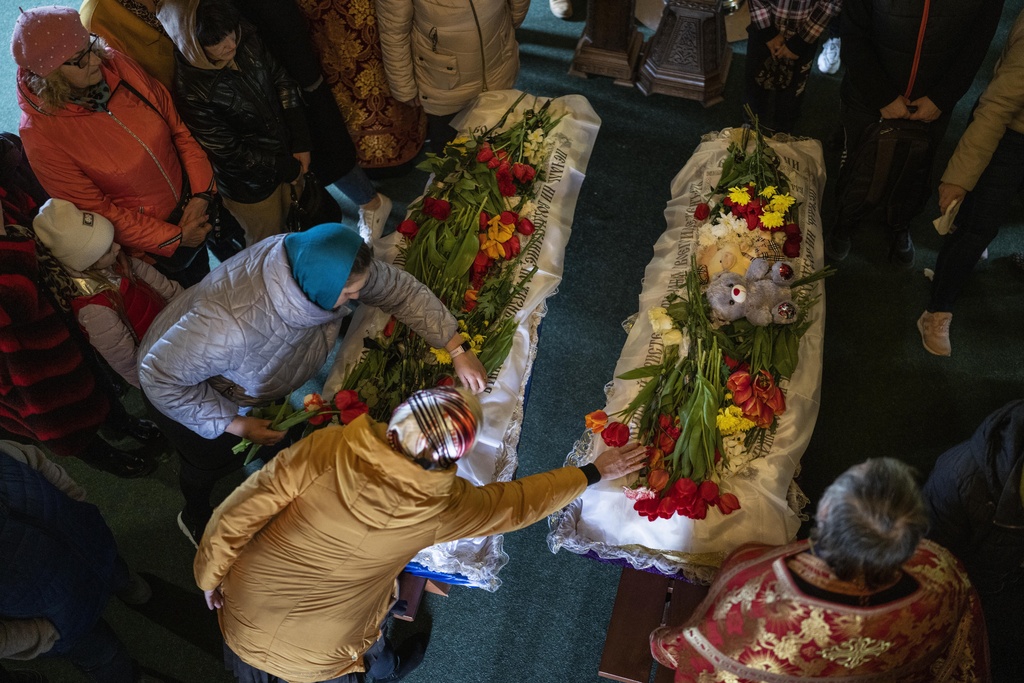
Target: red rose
[(436, 208), (523, 172), (484, 220), (485, 154), (348, 404), (615, 434), (525, 226), (791, 229), (791, 248), (409, 228), (389, 329), (445, 381), (702, 211)]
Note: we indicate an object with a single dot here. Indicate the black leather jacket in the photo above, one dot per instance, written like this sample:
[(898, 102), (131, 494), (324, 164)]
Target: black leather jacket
[(249, 119)]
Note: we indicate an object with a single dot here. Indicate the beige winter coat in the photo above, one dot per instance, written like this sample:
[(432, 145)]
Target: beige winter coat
[(444, 53), (1000, 107)]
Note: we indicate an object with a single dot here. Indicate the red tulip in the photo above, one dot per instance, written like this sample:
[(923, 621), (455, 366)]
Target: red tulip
[(615, 434), (409, 228), (728, 503), (348, 404), (702, 211)]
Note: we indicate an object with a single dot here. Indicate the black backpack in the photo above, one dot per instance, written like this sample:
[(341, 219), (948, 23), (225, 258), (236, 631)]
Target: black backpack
[(890, 171)]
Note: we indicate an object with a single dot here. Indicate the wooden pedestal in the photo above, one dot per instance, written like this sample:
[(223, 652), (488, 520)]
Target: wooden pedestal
[(610, 44), (644, 602), (688, 55)]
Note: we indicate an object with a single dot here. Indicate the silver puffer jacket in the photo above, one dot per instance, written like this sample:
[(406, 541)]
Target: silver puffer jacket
[(247, 334)]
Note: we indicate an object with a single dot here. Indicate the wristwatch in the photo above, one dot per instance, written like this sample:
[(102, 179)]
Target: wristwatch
[(459, 350)]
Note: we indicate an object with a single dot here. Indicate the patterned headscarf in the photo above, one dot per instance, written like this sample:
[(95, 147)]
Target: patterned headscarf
[(435, 427)]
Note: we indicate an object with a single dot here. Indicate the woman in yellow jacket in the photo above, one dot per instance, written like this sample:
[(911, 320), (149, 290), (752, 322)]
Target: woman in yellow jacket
[(302, 559)]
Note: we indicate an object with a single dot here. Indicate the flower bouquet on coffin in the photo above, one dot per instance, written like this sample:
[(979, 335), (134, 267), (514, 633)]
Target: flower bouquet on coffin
[(465, 239), (729, 338)]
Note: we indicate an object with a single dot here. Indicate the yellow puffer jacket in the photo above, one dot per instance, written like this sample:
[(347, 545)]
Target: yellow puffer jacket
[(129, 34), (444, 53), (307, 550)]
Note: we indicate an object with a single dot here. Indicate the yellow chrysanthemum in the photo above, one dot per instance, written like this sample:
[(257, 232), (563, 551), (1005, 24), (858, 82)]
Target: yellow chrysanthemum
[(739, 195), (730, 420), (782, 202), (768, 192), (772, 219), (442, 356)]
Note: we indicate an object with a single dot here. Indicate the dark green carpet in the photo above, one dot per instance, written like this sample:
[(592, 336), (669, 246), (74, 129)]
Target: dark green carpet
[(882, 393)]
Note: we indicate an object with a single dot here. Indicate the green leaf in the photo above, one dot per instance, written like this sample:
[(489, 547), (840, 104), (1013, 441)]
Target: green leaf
[(462, 259), (640, 373)]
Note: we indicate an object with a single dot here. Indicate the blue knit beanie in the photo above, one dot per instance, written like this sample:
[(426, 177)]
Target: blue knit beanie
[(321, 260)]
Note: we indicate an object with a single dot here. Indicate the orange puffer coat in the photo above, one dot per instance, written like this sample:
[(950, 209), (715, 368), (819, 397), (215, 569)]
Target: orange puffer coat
[(123, 163)]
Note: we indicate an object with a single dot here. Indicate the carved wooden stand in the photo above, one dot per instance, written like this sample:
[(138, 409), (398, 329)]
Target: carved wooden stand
[(688, 55), (610, 44)]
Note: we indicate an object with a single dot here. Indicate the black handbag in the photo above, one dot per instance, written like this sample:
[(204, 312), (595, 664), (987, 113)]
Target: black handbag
[(312, 207)]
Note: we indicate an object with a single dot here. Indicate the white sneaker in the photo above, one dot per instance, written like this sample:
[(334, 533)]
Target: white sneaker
[(561, 8), (371, 221), (828, 60)]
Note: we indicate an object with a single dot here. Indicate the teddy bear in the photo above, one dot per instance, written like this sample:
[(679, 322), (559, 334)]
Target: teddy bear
[(728, 257), (762, 295)]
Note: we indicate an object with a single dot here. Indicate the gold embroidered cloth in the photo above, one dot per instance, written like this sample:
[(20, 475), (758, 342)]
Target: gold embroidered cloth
[(385, 131), (756, 625)]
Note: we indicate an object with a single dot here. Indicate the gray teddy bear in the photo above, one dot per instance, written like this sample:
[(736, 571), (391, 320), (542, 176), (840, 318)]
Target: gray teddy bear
[(762, 295)]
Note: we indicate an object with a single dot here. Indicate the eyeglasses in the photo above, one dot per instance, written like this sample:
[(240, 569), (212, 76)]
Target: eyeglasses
[(83, 58)]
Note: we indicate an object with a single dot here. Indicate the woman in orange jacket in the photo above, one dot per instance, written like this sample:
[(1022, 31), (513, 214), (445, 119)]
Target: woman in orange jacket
[(104, 135)]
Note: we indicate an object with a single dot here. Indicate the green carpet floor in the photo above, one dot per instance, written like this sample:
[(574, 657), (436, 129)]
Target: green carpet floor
[(882, 394)]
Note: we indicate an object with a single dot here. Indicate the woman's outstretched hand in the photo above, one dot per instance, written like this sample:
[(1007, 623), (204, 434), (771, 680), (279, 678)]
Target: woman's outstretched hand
[(618, 462)]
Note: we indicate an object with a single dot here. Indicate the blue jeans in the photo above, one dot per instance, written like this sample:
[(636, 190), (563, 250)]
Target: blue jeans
[(983, 212), (356, 186)]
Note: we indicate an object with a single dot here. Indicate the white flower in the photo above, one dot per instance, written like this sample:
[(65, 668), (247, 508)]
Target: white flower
[(720, 229), (660, 320), (705, 239), (672, 337), (536, 136)]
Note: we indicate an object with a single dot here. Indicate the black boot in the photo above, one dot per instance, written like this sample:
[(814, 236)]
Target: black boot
[(102, 456), (408, 656)]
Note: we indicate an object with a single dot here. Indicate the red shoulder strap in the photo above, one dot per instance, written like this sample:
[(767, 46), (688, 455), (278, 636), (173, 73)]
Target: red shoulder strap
[(917, 50)]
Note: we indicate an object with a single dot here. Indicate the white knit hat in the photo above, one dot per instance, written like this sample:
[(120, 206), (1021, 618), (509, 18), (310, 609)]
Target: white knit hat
[(77, 238)]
